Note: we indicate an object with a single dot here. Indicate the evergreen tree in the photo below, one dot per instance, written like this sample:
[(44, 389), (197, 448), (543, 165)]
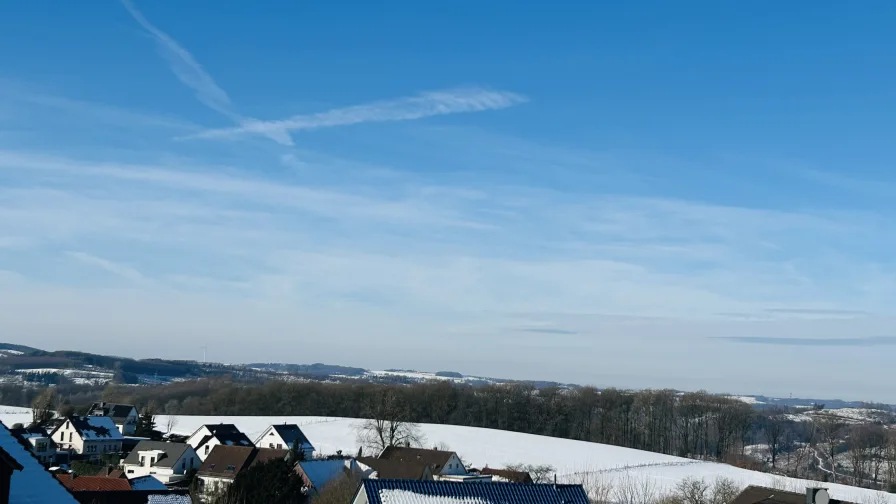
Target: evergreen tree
[(146, 425)]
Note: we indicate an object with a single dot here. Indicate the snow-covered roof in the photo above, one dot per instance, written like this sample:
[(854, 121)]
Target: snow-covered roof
[(147, 483), (33, 484), (168, 499), (320, 472), (94, 428), (381, 491)]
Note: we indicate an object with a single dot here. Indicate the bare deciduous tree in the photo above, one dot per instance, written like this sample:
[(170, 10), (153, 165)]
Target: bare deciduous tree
[(543, 473), (42, 407), (387, 423), (830, 428), (774, 430)]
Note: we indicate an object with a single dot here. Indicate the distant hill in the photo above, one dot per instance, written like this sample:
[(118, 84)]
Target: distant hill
[(21, 363), (316, 369)]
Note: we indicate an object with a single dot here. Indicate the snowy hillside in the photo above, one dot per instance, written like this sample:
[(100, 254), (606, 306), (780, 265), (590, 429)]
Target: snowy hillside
[(575, 461)]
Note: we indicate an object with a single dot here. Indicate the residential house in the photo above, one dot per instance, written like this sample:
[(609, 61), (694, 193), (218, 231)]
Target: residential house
[(167, 462), (93, 483), (376, 468), (380, 491), (225, 462), (441, 462), (92, 436), (318, 473), (40, 443), (30, 484), (208, 436), (507, 475), (125, 416), (762, 495), (283, 437)]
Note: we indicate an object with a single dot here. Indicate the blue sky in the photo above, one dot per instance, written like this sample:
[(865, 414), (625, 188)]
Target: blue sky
[(645, 194)]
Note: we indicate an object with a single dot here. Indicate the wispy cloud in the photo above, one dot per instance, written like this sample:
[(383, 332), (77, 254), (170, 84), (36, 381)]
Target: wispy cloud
[(113, 267), (816, 311), (428, 104), (546, 330), (815, 342), (192, 74)]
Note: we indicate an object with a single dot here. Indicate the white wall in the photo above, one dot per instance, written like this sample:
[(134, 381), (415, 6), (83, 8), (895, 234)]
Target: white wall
[(453, 467)]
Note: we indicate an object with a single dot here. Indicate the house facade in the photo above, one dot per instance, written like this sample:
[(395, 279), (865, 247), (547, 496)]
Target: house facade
[(283, 437), (166, 462), (91, 436), (42, 447), (125, 416), (207, 437)]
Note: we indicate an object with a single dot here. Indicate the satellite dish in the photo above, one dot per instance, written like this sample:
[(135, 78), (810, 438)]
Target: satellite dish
[(822, 497)]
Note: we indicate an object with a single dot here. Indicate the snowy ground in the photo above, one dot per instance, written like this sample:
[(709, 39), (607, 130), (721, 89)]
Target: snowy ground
[(575, 461), (846, 415)]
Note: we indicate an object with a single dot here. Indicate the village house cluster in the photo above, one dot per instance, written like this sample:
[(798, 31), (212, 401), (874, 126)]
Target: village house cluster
[(34, 465)]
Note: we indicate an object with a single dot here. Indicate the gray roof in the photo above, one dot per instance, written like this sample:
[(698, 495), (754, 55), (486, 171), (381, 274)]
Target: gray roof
[(116, 411), (290, 433), (173, 452)]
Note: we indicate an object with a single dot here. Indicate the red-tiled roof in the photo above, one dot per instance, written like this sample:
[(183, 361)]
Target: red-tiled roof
[(93, 483)]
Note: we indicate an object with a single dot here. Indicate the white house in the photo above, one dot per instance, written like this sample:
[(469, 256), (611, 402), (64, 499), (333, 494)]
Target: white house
[(167, 462), (43, 448), (283, 437), (91, 436), (208, 436), (125, 416)]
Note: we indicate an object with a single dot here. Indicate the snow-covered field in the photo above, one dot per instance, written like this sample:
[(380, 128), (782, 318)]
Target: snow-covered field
[(845, 415), (575, 461), (79, 376)]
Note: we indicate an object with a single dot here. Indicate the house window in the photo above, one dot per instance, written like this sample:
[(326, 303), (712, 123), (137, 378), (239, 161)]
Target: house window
[(62, 436), (231, 468), (279, 446), (207, 448), (142, 460), (183, 465), (69, 437), (152, 460), (130, 471), (270, 445)]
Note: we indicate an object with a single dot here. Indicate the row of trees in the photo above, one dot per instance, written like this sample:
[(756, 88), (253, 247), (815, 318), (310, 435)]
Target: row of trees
[(697, 425), (690, 424)]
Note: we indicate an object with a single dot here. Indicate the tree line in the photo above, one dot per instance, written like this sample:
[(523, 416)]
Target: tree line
[(690, 424)]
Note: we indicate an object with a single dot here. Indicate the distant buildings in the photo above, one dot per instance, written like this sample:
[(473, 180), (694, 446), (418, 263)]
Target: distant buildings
[(283, 437), (124, 416), (207, 437)]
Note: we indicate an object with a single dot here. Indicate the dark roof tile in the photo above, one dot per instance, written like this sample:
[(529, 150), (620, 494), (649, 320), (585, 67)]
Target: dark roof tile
[(423, 492)]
